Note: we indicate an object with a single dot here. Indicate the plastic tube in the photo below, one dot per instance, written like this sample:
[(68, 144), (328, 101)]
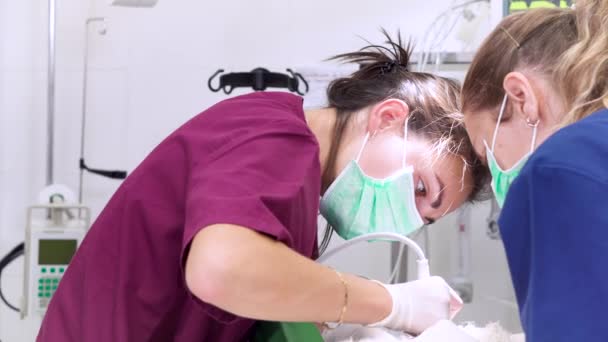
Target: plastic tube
[(422, 262)]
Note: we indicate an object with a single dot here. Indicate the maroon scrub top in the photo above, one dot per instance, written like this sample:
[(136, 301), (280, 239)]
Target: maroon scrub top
[(250, 161)]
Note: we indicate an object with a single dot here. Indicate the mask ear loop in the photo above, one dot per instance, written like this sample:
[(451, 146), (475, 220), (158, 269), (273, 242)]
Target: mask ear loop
[(405, 143), (362, 147), (535, 127), (502, 111)]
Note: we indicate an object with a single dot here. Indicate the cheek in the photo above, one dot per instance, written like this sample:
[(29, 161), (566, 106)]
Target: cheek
[(380, 161), (512, 143)]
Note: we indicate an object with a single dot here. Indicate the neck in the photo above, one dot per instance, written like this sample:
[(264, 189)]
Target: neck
[(321, 123), (553, 111)]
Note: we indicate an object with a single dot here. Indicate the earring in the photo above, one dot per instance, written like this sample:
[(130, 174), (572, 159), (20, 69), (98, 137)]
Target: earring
[(531, 124)]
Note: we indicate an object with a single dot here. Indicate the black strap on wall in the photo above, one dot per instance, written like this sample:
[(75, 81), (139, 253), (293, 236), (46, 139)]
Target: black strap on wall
[(259, 79), (114, 174)]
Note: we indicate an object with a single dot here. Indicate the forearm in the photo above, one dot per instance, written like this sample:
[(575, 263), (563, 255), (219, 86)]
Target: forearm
[(264, 279)]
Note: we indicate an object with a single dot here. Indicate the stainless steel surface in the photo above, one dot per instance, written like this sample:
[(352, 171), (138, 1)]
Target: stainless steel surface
[(492, 230), (446, 58), (50, 94), (85, 74)]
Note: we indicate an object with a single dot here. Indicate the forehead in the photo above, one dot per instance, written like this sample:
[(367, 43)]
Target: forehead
[(458, 180)]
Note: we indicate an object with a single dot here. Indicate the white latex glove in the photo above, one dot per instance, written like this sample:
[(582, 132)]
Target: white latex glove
[(419, 304)]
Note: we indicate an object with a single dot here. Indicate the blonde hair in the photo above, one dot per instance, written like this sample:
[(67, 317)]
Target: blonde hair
[(534, 39), (582, 72)]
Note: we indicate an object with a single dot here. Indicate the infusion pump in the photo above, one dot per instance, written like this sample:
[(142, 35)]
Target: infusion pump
[(53, 234)]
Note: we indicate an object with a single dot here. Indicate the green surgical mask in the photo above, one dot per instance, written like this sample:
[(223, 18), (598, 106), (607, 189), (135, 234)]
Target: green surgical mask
[(502, 179), (356, 204)]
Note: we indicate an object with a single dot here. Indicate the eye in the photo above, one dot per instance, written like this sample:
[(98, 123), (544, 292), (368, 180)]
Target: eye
[(420, 188)]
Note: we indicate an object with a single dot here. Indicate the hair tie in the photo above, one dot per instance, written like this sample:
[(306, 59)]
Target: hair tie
[(388, 67)]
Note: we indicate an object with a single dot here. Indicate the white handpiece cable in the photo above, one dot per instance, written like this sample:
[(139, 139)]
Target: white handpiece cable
[(422, 262)]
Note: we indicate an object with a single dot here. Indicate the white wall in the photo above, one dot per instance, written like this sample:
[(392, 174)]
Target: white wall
[(22, 96), (148, 75)]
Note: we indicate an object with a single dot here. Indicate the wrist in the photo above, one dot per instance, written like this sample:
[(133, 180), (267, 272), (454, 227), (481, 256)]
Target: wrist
[(384, 302), (385, 320), (370, 302)]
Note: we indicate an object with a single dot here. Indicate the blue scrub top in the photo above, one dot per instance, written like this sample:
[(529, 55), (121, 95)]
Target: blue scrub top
[(554, 226)]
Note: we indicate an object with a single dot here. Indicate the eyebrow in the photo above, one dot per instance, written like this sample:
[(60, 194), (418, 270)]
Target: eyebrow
[(437, 203)]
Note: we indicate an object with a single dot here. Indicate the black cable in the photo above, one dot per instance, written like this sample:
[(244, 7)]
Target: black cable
[(327, 234), (18, 251)]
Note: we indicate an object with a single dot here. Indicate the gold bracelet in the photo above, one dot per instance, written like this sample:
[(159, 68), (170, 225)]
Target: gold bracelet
[(343, 312)]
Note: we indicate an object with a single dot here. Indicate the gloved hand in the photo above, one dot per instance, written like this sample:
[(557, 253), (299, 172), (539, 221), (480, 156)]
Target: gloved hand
[(419, 304)]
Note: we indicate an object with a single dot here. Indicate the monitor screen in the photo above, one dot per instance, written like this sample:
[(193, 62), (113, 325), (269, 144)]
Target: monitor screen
[(513, 6), (56, 252)]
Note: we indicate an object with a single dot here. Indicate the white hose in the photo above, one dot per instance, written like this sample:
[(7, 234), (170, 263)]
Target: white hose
[(422, 262)]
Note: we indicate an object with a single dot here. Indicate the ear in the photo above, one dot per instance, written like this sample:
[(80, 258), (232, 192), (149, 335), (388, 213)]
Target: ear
[(386, 114), (522, 96)]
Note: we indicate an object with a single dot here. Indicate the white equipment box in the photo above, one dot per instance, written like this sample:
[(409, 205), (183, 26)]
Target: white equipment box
[(53, 234)]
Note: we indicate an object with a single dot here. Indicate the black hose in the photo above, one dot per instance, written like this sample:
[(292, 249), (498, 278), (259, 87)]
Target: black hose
[(18, 251)]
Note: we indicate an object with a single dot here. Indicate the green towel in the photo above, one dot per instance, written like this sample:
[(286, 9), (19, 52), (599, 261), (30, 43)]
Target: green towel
[(286, 332)]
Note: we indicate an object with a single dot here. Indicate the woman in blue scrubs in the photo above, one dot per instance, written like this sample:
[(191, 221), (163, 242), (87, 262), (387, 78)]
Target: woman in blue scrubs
[(535, 102)]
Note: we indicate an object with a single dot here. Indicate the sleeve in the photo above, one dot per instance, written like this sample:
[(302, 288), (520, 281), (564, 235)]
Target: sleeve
[(255, 183), (555, 231)]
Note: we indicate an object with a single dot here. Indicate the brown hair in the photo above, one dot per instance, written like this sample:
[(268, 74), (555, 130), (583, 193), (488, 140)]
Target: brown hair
[(532, 39), (583, 71), (433, 101)]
